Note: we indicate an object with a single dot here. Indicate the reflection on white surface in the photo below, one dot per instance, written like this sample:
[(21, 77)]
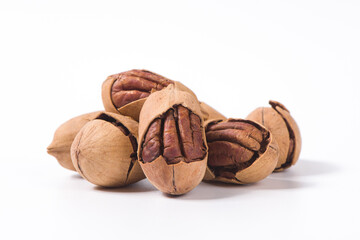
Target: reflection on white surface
[(288, 179), (141, 186), (306, 167)]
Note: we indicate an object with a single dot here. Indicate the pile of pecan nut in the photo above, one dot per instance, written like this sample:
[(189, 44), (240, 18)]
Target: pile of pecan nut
[(156, 128)]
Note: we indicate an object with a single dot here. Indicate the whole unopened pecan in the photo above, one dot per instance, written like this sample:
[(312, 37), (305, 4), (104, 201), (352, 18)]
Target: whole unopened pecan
[(172, 146), (104, 152), (64, 136), (126, 92), (284, 129), (240, 151)]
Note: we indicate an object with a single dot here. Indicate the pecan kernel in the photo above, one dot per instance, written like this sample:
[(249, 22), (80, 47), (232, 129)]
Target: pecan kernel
[(234, 145), (176, 135), (134, 85)]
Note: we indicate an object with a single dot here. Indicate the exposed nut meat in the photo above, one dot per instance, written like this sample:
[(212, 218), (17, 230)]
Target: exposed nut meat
[(176, 135), (234, 145), (172, 144), (135, 84), (152, 142), (172, 150)]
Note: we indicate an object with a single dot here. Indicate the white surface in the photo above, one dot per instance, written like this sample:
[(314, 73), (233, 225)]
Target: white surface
[(235, 56)]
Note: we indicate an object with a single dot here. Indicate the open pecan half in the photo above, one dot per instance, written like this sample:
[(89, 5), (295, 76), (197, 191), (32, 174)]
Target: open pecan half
[(176, 135), (234, 145), (135, 84)]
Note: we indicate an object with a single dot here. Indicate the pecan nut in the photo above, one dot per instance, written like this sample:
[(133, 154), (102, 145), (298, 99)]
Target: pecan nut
[(284, 129), (240, 151), (126, 92), (64, 136), (104, 152), (172, 145), (134, 85), (176, 136)]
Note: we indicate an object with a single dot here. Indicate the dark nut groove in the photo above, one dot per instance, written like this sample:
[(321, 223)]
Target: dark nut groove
[(126, 132), (234, 145), (291, 150), (134, 85), (176, 136)]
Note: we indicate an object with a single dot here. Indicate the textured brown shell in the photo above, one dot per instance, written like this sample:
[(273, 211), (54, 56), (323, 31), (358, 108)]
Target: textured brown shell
[(101, 153), (175, 179), (262, 167), (64, 136), (269, 118), (275, 123), (209, 113), (131, 109), (293, 125)]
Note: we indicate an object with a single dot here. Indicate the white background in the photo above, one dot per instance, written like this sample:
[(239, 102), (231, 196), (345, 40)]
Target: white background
[(236, 55)]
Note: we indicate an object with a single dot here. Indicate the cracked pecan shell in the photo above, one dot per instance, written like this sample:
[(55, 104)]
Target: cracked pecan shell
[(126, 92), (284, 129), (104, 152), (172, 145), (240, 151), (64, 136)]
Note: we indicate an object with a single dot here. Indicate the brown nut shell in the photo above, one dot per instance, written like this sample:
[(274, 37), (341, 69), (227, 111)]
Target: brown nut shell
[(104, 151), (177, 165), (284, 129), (240, 151), (134, 81), (175, 179), (209, 113), (64, 136)]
